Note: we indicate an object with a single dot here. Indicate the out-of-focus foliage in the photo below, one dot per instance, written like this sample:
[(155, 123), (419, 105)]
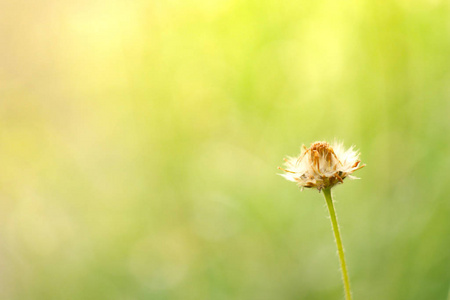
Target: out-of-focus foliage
[(139, 142)]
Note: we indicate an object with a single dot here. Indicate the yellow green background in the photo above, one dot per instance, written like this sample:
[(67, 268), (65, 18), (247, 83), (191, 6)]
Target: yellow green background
[(139, 142)]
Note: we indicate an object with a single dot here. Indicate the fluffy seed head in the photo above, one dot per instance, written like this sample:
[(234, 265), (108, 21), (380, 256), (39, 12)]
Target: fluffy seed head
[(322, 166)]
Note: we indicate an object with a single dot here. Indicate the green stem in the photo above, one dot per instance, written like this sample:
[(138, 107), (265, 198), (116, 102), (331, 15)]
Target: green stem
[(337, 235)]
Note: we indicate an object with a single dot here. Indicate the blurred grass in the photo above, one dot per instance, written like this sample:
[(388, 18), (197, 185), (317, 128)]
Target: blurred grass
[(139, 143)]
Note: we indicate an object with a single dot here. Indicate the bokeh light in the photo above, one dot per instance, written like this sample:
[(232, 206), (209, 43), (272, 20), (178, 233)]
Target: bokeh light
[(139, 142)]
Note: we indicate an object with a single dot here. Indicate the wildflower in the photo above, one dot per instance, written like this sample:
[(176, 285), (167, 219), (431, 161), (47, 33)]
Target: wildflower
[(322, 166)]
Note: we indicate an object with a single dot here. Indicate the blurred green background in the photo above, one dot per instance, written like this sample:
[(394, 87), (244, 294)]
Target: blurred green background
[(139, 142)]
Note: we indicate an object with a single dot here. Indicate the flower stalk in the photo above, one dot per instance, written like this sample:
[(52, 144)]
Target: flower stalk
[(340, 247)]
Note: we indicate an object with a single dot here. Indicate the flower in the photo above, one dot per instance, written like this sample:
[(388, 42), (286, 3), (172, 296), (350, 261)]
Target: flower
[(322, 166)]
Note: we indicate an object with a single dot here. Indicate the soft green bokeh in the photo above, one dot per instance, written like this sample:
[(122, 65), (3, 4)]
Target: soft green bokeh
[(139, 142)]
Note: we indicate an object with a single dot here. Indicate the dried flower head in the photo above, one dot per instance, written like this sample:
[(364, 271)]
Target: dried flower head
[(322, 166)]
